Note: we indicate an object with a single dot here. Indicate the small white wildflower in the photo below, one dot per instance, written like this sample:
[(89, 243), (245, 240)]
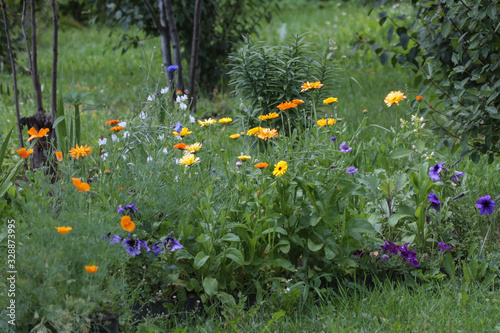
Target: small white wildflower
[(165, 151), (161, 136), (164, 90), (149, 159), (114, 138), (181, 98), (123, 124), (126, 134), (151, 97), (143, 115), (183, 106), (102, 141), (191, 119), (104, 156), (176, 179)]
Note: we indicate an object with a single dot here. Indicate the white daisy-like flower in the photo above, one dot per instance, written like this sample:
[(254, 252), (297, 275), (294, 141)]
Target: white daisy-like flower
[(114, 138), (183, 106), (164, 90), (126, 134), (102, 141), (161, 136), (191, 119)]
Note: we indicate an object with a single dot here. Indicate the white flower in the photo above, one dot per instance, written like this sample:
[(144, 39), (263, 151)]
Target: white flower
[(123, 124), (183, 106), (176, 179), (149, 159), (161, 136), (181, 98), (178, 137), (104, 156), (114, 138), (191, 119), (126, 134), (102, 141), (165, 151), (164, 90), (143, 115), (151, 97)]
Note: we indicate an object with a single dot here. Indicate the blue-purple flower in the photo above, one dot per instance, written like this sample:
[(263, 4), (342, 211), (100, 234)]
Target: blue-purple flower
[(435, 170), (390, 247), (486, 205), (173, 244), (178, 127), (384, 258), (409, 256), (158, 247), (112, 240), (443, 246), (130, 208), (435, 203), (333, 138), (344, 147), (456, 177), (133, 246), (350, 170), (173, 68)]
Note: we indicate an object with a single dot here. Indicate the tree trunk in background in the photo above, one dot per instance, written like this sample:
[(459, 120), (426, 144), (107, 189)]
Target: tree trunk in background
[(54, 59), (174, 37), (195, 45), (34, 69)]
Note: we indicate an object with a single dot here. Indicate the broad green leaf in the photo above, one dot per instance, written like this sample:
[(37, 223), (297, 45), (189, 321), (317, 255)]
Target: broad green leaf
[(230, 237), (235, 255), (200, 259), (211, 286), (312, 246), (400, 153)]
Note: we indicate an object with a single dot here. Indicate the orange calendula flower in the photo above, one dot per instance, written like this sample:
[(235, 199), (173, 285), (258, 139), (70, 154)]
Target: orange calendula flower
[(37, 134), (311, 85), (116, 128), (80, 186), (63, 230), (269, 116), (254, 130), (24, 153), (59, 156), (394, 97), (286, 105), (180, 146), (261, 165), (179, 92), (419, 98), (267, 133), (234, 136), (365, 111), (107, 171), (91, 269), (127, 223), (330, 100), (80, 151), (112, 122), (297, 101)]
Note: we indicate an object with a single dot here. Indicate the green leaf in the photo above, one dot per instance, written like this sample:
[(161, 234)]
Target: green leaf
[(230, 238), (5, 144), (314, 247), (235, 255), (394, 219), (279, 230), (410, 65), (211, 286), (200, 259), (384, 58), (446, 28), (283, 263), (400, 153)]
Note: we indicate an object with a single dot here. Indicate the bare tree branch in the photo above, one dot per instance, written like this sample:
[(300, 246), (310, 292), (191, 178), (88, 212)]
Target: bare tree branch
[(174, 37), (195, 45), (34, 69), (54, 59)]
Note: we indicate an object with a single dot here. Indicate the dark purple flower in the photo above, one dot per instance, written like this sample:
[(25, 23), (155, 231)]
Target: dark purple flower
[(112, 240), (172, 68), (443, 246), (178, 127), (409, 256), (130, 208), (350, 170), (333, 138), (390, 247), (434, 201), (344, 147), (172, 244), (133, 246), (158, 247), (486, 205), (384, 258), (456, 177), (435, 170)]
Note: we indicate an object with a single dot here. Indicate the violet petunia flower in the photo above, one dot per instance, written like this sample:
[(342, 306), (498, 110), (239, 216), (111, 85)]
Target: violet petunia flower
[(112, 240), (133, 246), (130, 208), (443, 246), (435, 170), (435, 203), (390, 247), (344, 147), (173, 244), (456, 177), (409, 256), (486, 205), (158, 247), (350, 170)]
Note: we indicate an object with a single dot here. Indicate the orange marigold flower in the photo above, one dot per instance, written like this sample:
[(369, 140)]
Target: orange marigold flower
[(311, 85), (23, 153), (112, 122), (63, 230), (419, 98), (286, 105), (261, 165), (80, 186), (116, 128), (267, 133), (127, 223), (297, 101), (80, 151), (91, 269), (180, 146), (59, 156), (37, 134)]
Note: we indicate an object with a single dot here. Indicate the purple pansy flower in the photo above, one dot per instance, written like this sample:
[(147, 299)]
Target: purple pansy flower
[(486, 205), (133, 246), (112, 240), (409, 256), (178, 127), (443, 246), (344, 147), (158, 248), (434, 201), (130, 208), (435, 170), (350, 170), (173, 244), (456, 177), (390, 247)]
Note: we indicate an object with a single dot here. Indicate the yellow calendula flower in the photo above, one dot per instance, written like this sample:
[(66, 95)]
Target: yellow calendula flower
[(207, 122), (311, 85), (234, 136), (225, 120), (189, 159), (330, 100), (394, 97), (269, 116), (80, 151), (194, 147), (331, 122), (280, 168), (184, 132), (267, 133), (322, 122), (254, 130), (244, 157)]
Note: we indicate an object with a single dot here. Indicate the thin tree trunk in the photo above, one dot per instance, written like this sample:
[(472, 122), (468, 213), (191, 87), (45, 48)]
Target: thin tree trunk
[(54, 59), (195, 45), (14, 75), (34, 69), (174, 37)]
